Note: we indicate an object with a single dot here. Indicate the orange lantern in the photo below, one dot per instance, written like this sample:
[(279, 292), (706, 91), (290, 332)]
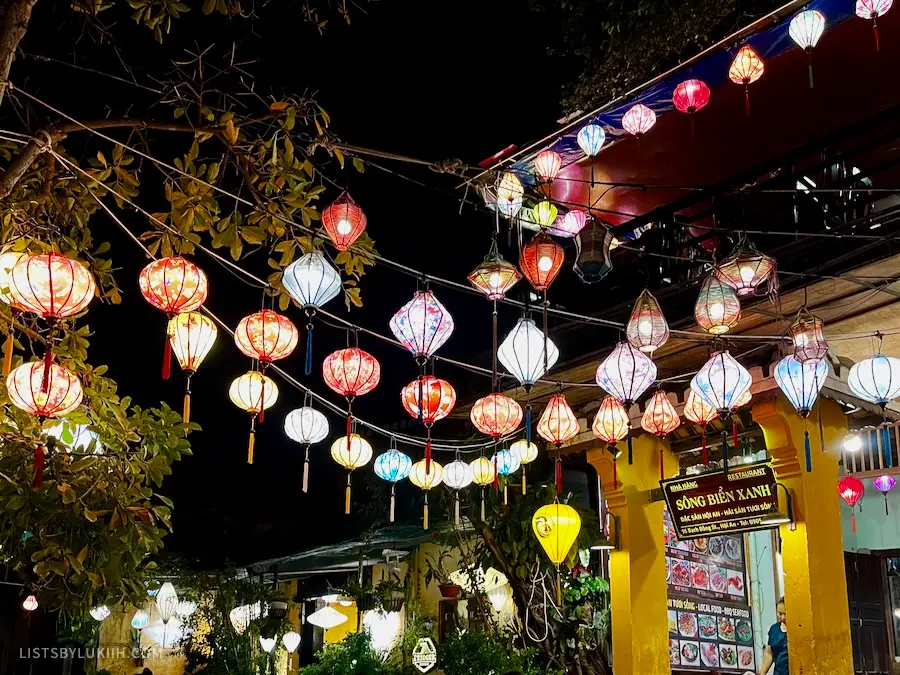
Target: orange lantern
[(428, 399), (660, 418), (540, 260), (266, 335), (746, 68), (611, 425), (496, 415), (700, 412), (173, 285), (557, 425), (344, 222)]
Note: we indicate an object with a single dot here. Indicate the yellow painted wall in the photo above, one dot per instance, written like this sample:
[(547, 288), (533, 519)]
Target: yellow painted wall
[(116, 636), (338, 633)]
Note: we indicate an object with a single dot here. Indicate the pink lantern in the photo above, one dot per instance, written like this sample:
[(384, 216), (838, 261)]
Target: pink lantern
[(689, 97), (638, 120), (547, 164), (872, 9)]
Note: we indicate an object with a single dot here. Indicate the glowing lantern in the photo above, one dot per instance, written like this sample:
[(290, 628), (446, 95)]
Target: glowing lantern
[(392, 466), (509, 194), (166, 601), (267, 644), (343, 221), (191, 337), (718, 308), (876, 379), (253, 392), (522, 353), (425, 477), (806, 28), (540, 260), (638, 120), (851, 490), (100, 612), (647, 328), (544, 214), (569, 225), (326, 618), (351, 452), (30, 603), (547, 164), (721, 382), (510, 209), (557, 425), (872, 9), (746, 68), (496, 415), (140, 620), (173, 285), (7, 262), (801, 382), (428, 399), (689, 97), (351, 372), (746, 269), (494, 276), (527, 453), (507, 463), (422, 325), (311, 280), (808, 337), (702, 413), (590, 139), (660, 418), (884, 484), (266, 335), (291, 641), (241, 616), (483, 473), (626, 373), (306, 426), (556, 527), (743, 399), (611, 425), (50, 285)]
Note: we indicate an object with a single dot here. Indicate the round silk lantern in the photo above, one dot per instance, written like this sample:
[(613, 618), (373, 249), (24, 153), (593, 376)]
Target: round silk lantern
[(426, 477), (540, 261), (191, 337), (611, 425), (557, 425), (721, 382), (392, 466), (457, 476), (507, 463), (509, 194), (556, 527), (547, 164), (496, 415), (311, 281), (306, 426), (483, 473), (267, 336), (253, 392), (527, 453), (351, 452), (569, 224), (351, 372), (872, 9), (544, 214), (647, 329), (884, 484), (851, 490), (691, 96), (428, 399), (660, 418), (590, 139), (746, 68), (527, 353), (806, 28), (638, 120), (801, 384), (876, 379), (343, 222)]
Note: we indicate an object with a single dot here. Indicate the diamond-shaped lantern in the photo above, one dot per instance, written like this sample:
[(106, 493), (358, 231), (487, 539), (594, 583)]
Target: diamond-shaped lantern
[(343, 222), (626, 373), (746, 269), (540, 261), (721, 382), (494, 276), (522, 352), (746, 68), (422, 325)]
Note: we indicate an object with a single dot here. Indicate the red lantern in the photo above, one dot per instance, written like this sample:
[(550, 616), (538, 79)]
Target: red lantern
[(540, 260), (689, 97), (851, 490), (496, 415), (611, 425), (173, 285), (660, 418), (700, 412), (557, 425), (351, 372), (428, 399), (344, 222), (638, 120), (746, 68), (266, 335)]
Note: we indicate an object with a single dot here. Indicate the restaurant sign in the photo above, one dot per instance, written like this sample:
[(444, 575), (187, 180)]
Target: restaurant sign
[(719, 502)]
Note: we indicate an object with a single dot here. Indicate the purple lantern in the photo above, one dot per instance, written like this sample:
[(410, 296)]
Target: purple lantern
[(884, 484)]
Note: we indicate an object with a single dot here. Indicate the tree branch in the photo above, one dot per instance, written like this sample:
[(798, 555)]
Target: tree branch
[(15, 24)]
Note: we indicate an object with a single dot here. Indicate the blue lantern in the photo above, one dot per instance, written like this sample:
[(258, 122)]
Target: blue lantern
[(508, 462), (801, 382), (721, 382), (876, 380), (591, 138), (392, 466)]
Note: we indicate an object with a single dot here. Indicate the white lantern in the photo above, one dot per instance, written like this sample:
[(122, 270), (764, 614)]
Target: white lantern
[(140, 620), (185, 609), (876, 380), (30, 603), (457, 475), (306, 426), (806, 28), (75, 437), (312, 280), (526, 450), (326, 618), (241, 617), (626, 373), (166, 601), (721, 382), (801, 382), (383, 627), (591, 138), (100, 612), (268, 643), (498, 597), (291, 641), (522, 352)]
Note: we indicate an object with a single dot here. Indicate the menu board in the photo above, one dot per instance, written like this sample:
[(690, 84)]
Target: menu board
[(710, 622)]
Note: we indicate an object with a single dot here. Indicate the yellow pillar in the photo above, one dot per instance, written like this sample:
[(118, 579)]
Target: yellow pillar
[(637, 567), (818, 618)]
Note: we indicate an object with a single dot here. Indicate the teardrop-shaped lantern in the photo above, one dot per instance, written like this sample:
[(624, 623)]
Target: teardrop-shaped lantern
[(191, 336), (422, 325), (590, 139), (266, 335), (660, 417), (626, 373), (558, 422), (544, 213), (306, 426), (351, 452), (851, 490), (638, 120), (746, 269), (876, 379), (540, 260), (547, 164), (611, 423), (426, 476), (311, 280), (556, 527), (496, 415), (801, 382), (343, 222), (806, 28), (509, 194), (647, 329), (392, 466), (166, 601), (746, 68), (718, 308), (494, 276), (807, 334), (721, 382), (522, 352)]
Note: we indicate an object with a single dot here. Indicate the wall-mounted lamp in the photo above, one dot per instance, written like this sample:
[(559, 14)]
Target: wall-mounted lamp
[(604, 543), (776, 517)]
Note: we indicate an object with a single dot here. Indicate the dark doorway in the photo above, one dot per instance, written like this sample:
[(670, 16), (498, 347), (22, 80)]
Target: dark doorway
[(867, 593)]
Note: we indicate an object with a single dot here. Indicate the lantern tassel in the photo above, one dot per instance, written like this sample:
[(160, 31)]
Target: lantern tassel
[(725, 451), (38, 466), (186, 410), (250, 444), (853, 521), (875, 30), (524, 483), (393, 502), (428, 453), (456, 509), (506, 494), (747, 99), (349, 427), (886, 446), (558, 588), (496, 475), (306, 471), (347, 497), (630, 454), (8, 347), (704, 452), (810, 71), (615, 474), (807, 451), (425, 513), (307, 368), (662, 471), (167, 359), (886, 512), (48, 361), (482, 506), (528, 422), (558, 474)]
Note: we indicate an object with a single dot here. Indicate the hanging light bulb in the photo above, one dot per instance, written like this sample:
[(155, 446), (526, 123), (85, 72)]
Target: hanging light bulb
[(522, 352), (547, 164), (801, 382), (718, 308), (852, 442), (746, 68), (351, 453), (192, 336), (872, 10), (494, 276), (647, 329), (457, 476), (422, 325), (638, 120), (306, 426), (806, 28), (343, 222), (626, 373), (426, 478), (392, 466), (721, 382), (544, 214), (691, 96), (876, 379), (590, 139)]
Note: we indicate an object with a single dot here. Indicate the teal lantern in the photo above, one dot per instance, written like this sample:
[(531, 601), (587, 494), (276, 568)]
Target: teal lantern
[(392, 466)]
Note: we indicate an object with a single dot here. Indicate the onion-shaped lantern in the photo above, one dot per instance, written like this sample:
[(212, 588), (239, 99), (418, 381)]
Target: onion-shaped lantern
[(428, 399), (422, 325), (267, 336), (8, 260), (426, 478), (746, 68), (746, 269), (884, 484), (140, 620), (626, 373), (496, 415), (494, 276), (801, 382), (509, 194), (557, 425), (522, 353), (343, 221), (721, 382), (872, 9), (392, 466), (540, 260), (718, 308), (569, 224), (173, 285), (351, 372), (527, 453), (590, 139), (457, 476), (851, 490), (100, 613), (166, 602), (660, 418), (547, 164), (611, 425), (351, 452), (306, 426), (691, 96), (808, 337), (507, 463), (638, 120), (647, 328), (544, 214), (311, 281), (192, 336), (483, 473), (876, 379), (806, 28), (253, 392), (556, 527)]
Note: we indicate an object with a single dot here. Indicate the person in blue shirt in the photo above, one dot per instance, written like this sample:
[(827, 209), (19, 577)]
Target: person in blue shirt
[(777, 650)]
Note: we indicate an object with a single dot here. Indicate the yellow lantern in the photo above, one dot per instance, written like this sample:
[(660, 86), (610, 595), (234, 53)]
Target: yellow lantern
[(7, 261), (483, 473), (527, 453), (556, 527), (425, 476), (351, 452), (253, 392), (544, 214), (191, 335), (509, 191)]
